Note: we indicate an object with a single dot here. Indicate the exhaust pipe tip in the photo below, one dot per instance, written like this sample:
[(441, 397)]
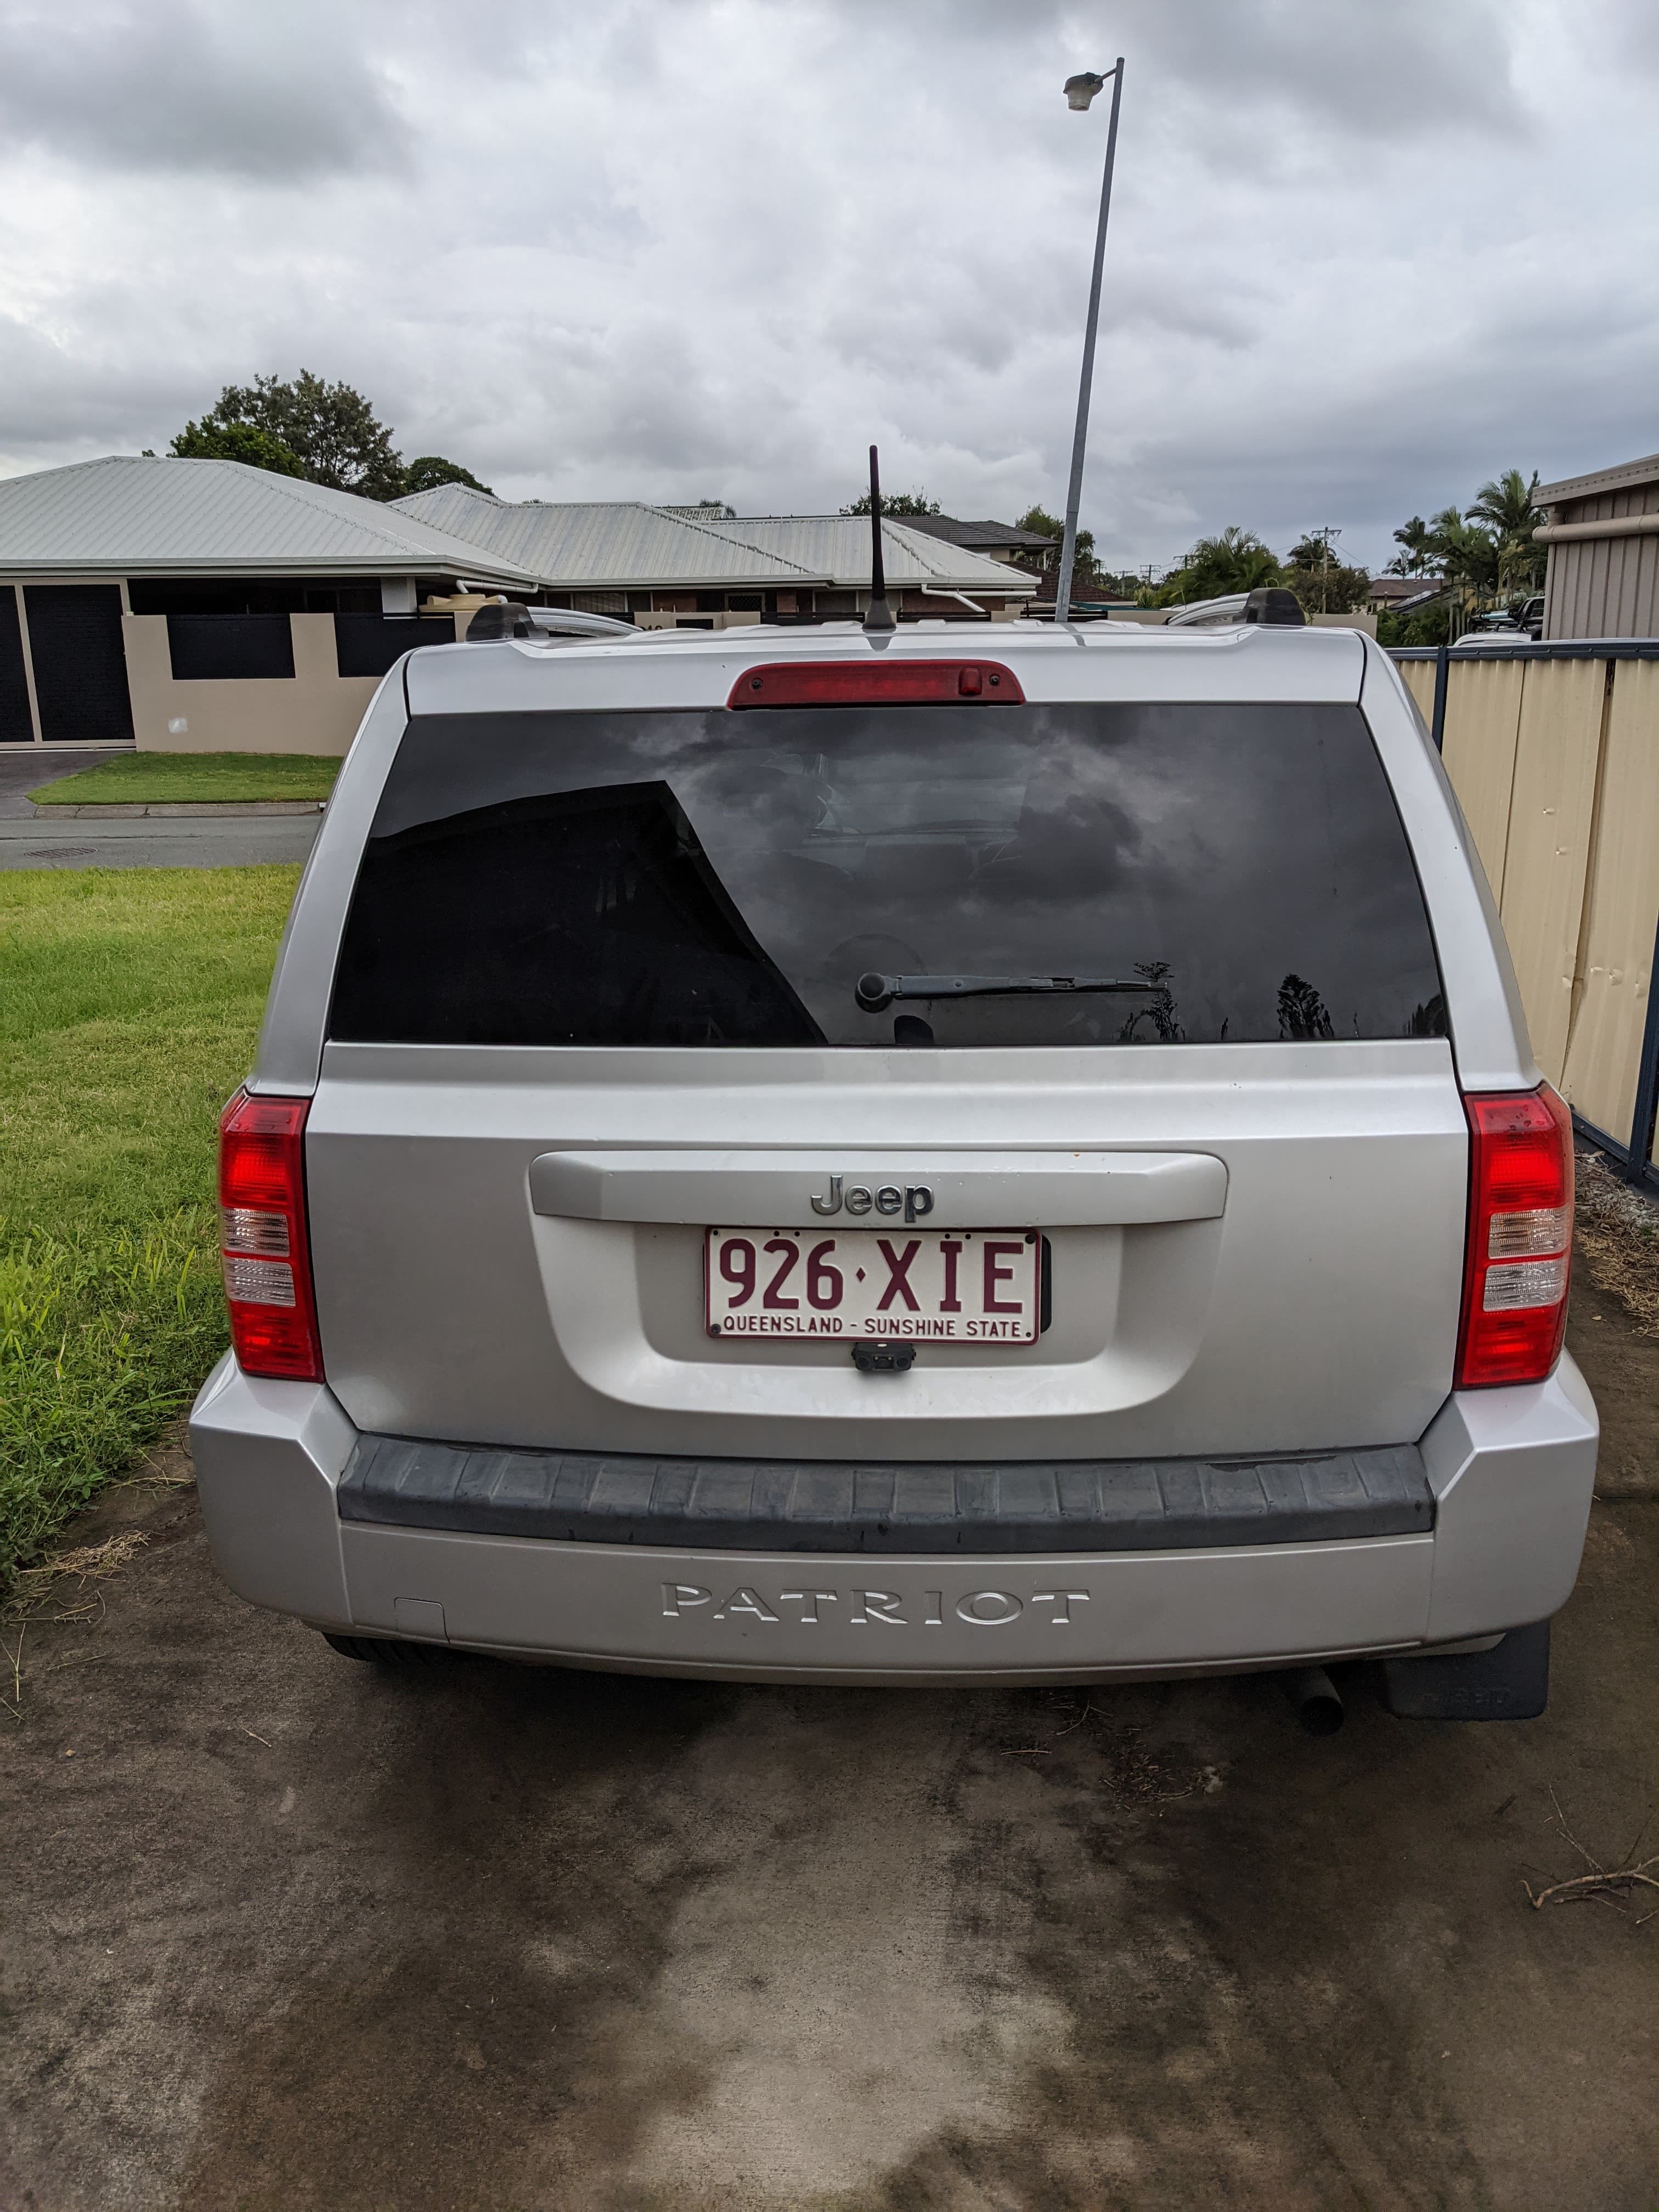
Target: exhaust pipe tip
[(1318, 1702)]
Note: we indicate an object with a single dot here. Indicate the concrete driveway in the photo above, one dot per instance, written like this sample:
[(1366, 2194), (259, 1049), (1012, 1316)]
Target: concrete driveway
[(284, 1932), (24, 768)]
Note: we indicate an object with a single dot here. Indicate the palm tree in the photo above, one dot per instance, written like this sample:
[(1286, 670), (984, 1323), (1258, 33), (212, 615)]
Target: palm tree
[(1507, 507), (1506, 504), (1235, 560), (1417, 552), (1466, 553)]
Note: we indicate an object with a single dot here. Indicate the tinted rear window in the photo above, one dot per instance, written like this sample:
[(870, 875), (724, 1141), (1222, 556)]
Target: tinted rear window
[(714, 879)]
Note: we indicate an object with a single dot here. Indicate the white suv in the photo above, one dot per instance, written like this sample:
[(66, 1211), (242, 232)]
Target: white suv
[(809, 1155)]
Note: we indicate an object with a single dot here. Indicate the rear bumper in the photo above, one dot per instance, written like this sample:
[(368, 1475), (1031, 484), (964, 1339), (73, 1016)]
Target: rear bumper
[(1511, 1472)]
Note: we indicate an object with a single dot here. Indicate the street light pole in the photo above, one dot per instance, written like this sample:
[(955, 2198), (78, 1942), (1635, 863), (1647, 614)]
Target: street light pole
[(1079, 91)]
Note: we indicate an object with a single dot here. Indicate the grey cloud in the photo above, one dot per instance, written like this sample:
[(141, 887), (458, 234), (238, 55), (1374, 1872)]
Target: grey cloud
[(1360, 259), (1397, 73), (266, 94), (1634, 34)]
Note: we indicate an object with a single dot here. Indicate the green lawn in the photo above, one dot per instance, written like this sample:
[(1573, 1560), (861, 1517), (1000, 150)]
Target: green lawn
[(146, 779), (130, 1000)]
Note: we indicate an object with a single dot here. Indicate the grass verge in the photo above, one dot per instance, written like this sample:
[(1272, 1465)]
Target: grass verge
[(155, 779), (130, 1001)]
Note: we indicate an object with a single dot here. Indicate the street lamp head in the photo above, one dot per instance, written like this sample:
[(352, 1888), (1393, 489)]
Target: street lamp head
[(1080, 90)]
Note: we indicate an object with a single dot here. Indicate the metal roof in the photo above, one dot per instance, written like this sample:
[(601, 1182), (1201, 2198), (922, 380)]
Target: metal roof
[(1625, 477), (626, 546), (591, 544), (126, 516), (837, 546)]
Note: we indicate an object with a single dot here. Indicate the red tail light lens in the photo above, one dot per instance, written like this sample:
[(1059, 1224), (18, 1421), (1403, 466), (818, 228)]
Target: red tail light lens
[(262, 1244), (1517, 1263), (877, 683)]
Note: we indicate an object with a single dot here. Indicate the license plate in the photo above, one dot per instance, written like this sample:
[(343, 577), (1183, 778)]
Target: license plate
[(963, 1286)]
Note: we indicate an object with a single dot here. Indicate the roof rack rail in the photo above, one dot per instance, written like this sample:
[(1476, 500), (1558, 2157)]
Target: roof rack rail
[(500, 618), (1268, 603)]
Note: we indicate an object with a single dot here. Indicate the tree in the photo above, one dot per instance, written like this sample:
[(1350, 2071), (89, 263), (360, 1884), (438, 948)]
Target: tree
[(1337, 590), (208, 441), (1235, 560), (1316, 549), (1430, 625), (1322, 583), (1507, 507), (432, 470), (331, 428), (1302, 1011), (896, 502), (1463, 552), (1086, 569), (1416, 552)]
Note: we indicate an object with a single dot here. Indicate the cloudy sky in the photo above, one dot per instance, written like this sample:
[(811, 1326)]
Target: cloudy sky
[(1363, 255)]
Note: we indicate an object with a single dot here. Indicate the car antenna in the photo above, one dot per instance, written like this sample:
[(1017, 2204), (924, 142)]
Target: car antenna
[(878, 616)]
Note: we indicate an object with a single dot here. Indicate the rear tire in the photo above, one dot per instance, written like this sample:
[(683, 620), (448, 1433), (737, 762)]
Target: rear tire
[(389, 1652)]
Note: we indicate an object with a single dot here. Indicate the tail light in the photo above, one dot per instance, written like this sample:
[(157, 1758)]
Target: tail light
[(1520, 1238), (872, 682), (262, 1238)]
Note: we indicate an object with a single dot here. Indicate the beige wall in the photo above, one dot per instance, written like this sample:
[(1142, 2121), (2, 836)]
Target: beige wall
[(316, 710), (1556, 765), (1356, 618)]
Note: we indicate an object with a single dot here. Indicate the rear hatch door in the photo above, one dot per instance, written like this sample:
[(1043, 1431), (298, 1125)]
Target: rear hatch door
[(1090, 1048)]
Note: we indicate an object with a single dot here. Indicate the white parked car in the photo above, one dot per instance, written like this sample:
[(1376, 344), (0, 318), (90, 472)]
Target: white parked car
[(962, 1156)]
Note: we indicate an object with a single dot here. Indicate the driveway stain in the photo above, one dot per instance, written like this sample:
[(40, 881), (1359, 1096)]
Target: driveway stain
[(503, 1881)]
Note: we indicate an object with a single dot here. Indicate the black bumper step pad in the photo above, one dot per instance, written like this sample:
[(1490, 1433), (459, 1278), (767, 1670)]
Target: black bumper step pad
[(890, 1507)]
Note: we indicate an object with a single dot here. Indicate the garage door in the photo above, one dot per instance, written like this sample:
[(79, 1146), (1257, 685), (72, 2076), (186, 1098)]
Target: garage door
[(80, 664)]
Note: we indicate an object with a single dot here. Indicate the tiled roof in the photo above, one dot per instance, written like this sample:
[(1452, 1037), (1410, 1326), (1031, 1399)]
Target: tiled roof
[(975, 534)]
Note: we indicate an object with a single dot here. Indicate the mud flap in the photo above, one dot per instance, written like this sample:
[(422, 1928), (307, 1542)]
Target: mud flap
[(1511, 1682)]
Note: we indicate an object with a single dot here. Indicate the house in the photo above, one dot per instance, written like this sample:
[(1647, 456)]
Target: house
[(201, 605), (998, 541), (194, 606), (1389, 594), (700, 568), (1603, 532)]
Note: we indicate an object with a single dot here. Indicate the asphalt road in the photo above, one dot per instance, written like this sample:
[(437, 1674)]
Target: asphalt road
[(281, 1931), (221, 842), (28, 840)]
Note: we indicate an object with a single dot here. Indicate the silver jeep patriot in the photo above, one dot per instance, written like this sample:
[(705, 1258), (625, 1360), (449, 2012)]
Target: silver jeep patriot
[(968, 1155)]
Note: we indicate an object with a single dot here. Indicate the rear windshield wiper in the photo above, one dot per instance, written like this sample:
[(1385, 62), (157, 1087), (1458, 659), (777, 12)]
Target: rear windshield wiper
[(874, 990)]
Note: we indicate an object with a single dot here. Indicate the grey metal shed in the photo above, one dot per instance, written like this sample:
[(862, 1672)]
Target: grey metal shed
[(1603, 532)]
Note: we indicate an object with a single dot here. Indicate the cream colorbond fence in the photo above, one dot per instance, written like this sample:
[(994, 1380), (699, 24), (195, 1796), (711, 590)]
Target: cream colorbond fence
[(1553, 752)]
